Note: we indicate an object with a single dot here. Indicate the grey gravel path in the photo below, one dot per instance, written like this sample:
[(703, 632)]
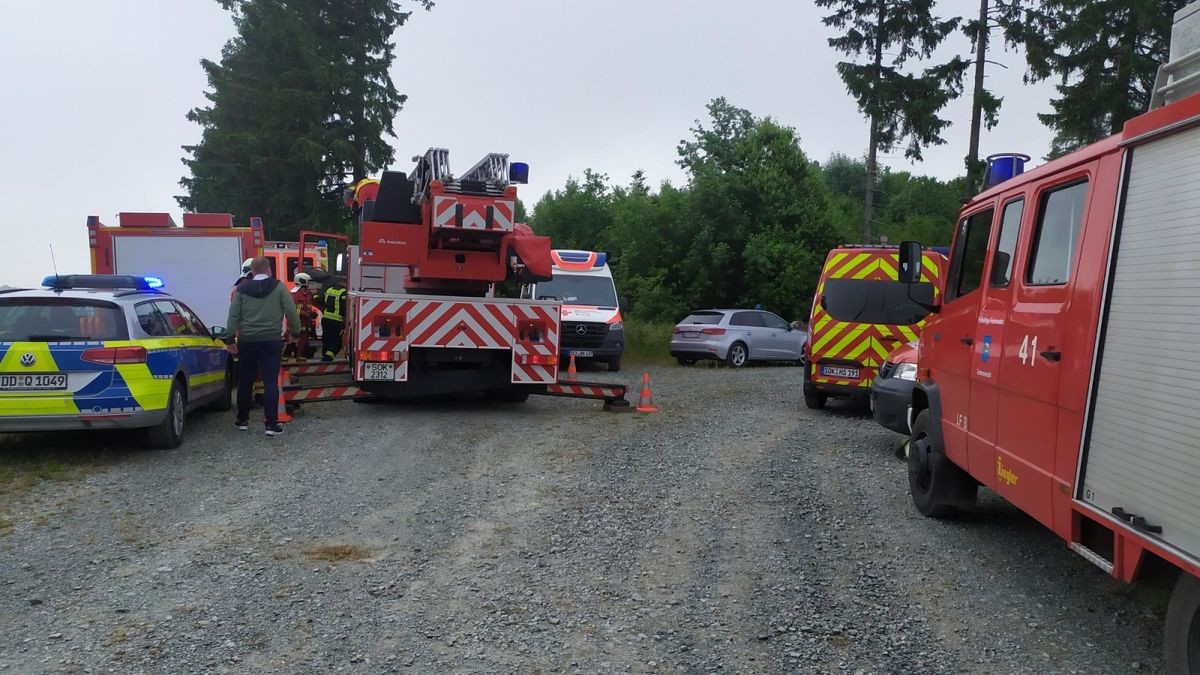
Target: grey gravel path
[(734, 532)]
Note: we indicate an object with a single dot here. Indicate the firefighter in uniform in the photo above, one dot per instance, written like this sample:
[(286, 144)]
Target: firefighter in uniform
[(302, 295), (333, 320)]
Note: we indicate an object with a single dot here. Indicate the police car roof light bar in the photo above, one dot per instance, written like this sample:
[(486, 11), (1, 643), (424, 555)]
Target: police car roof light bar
[(105, 281)]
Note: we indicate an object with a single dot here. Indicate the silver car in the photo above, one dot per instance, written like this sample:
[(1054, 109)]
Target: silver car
[(736, 336)]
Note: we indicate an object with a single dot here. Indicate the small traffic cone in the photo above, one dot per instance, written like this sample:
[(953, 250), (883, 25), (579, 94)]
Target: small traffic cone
[(284, 380), (572, 374), (646, 404)]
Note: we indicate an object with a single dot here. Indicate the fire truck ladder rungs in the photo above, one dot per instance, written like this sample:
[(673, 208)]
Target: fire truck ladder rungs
[(493, 168)]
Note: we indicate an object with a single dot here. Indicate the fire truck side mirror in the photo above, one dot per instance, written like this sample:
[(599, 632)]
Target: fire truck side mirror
[(909, 271)]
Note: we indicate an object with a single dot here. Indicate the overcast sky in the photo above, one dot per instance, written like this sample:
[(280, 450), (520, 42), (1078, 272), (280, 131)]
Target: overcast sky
[(94, 99)]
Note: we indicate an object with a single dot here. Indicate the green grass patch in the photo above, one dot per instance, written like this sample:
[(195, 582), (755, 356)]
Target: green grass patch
[(21, 470), (647, 340)]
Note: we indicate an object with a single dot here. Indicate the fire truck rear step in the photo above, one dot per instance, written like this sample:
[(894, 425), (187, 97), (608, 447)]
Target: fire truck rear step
[(1092, 557), (308, 368)]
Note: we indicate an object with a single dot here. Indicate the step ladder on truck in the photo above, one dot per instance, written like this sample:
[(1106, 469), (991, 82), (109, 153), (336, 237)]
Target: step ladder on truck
[(423, 314), (1058, 367)]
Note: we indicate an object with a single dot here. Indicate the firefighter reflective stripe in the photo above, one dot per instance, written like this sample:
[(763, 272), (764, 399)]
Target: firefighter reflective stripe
[(335, 307)]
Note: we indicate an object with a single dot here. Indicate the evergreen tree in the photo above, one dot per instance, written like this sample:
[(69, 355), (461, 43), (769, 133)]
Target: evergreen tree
[(298, 106), (1105, 54), (1005, 15), (902, 107)]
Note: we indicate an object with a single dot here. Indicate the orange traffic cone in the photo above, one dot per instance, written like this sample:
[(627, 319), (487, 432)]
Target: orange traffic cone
[(571, 372), (646, 404), (284, 380)]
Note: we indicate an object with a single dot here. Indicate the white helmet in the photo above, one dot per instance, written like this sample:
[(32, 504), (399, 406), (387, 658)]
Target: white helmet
[(246, 266), (302, 279)]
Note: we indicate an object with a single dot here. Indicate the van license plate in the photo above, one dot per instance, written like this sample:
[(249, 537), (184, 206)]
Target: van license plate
[(34, 382), (838, 371), (582, 353), (379, 372)]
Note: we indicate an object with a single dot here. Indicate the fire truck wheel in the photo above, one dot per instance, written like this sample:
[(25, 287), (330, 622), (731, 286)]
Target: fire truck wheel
[(738, 355), (1183, 627), (938, 487), (168, 433), (224, 400)]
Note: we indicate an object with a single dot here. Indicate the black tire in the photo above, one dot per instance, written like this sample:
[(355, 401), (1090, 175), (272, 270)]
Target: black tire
[(813, 399), (684, 361), (1183, 627), (614, 365), (168, 433), (938, 487), (738, 356), (224, 400)]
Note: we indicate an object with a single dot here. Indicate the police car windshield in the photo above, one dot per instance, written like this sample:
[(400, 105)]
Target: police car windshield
[(881, 302), (59, 320), (579, 290)]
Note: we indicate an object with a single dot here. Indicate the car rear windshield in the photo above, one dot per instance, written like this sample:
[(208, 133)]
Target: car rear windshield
[(868, 301), (703, 317), (60, 319), (579, 290)]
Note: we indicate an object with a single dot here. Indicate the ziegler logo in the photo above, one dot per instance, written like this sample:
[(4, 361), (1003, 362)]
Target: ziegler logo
[(28, 359), (1005, 475), (392, 242)]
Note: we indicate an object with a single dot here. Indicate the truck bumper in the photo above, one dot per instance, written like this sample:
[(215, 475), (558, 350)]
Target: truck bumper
[(890, 402)]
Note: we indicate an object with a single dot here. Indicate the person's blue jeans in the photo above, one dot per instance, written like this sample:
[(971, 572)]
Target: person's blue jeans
[(255, 358)]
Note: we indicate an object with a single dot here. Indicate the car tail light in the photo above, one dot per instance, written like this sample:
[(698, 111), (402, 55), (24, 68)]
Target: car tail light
[(114, 355), (713, 331)]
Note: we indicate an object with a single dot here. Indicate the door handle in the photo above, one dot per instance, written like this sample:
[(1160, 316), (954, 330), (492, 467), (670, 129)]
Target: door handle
[(1052, 356), (966, 341)]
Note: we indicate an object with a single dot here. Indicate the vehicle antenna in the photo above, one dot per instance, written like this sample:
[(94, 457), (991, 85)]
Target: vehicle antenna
[(54, 264)]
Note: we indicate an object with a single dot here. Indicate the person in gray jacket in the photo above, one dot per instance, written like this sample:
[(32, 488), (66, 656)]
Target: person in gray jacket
[(260, 305)]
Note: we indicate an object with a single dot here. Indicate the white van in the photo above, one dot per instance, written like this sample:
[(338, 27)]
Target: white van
[(591, 311)]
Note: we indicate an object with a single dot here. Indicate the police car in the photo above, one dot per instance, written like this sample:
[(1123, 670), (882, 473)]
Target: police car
[(104, 352)]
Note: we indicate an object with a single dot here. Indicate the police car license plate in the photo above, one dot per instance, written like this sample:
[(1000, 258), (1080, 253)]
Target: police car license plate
[(376, 372), (838, 371), (34, 382), (582, 353)]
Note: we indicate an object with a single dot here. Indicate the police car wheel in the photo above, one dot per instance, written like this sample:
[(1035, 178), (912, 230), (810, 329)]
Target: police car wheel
[(169, 432), (224, 400), (1183, 626)]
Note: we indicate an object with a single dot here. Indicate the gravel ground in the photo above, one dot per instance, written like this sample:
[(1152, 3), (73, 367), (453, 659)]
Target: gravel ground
[(735, 531)]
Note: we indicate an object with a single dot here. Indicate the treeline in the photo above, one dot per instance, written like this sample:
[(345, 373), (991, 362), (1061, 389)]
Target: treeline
[(751, 227)]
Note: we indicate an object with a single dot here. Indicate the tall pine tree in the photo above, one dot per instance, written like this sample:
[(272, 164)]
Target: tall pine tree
[(299, 106), (1105, 54), (902, 107)]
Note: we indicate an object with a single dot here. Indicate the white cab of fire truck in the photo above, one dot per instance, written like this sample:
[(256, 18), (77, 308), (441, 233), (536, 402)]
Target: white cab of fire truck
[(592, 327)]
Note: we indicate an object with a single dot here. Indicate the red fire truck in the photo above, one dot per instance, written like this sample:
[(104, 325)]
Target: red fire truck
[(423, 313), (199, 262), (1058, 368)]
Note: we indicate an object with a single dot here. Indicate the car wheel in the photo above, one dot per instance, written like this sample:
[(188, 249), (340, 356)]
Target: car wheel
[(738, 355), (1183, 626), (224, 400), (169, 432), (684, 361), (938, 487), (614, 365)]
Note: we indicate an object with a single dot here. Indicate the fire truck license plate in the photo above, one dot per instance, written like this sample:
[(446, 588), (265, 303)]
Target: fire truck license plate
[(38, 382), (838, 371), (379, 371)]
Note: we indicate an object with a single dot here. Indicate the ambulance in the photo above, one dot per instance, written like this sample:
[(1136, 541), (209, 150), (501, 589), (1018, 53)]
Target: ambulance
[(860, 313), (592, 328)]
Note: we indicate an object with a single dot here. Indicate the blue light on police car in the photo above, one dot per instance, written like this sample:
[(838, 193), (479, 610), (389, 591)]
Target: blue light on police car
[(153, 282)]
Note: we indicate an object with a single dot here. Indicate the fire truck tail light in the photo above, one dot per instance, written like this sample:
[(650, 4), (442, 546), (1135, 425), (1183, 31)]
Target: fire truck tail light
[(539, 360), (380, 355), (114, 355)]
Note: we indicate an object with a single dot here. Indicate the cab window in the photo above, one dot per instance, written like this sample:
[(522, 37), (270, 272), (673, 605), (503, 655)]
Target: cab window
[(293, 262), (151, 320), (1060, 215), (966, 270), (1006, 243)]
